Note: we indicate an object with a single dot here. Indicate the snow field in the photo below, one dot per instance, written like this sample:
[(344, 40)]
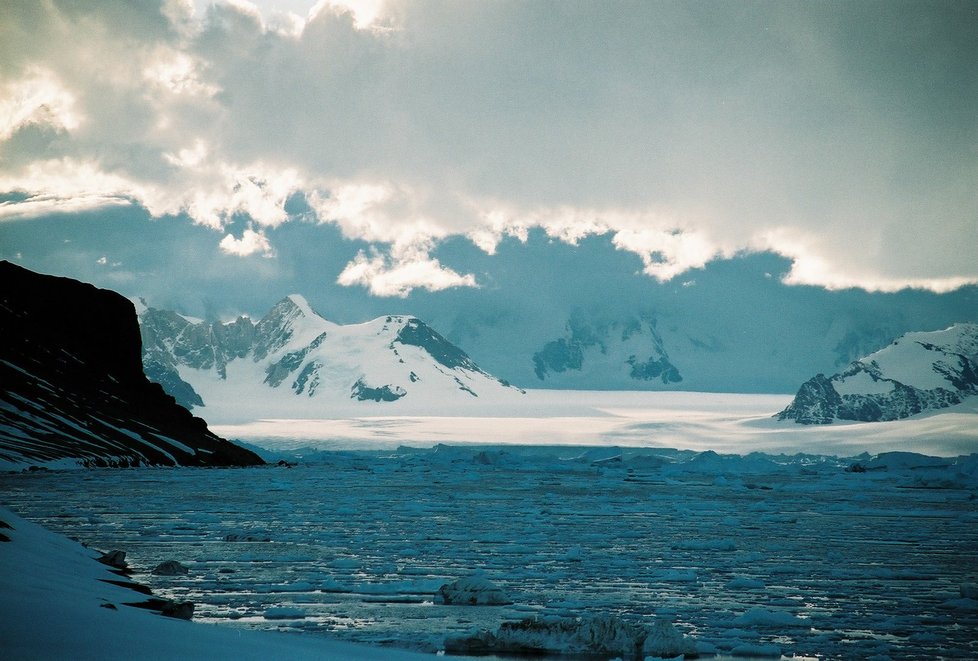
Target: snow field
[(723, 422)]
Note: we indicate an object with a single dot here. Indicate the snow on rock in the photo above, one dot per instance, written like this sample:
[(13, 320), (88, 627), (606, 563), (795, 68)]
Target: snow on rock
[(292, 361), (630, 351), (474, 590), (599, 635), (918, 372)]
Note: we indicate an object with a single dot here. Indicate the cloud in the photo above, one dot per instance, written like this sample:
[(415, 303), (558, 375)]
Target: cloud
[(401, 273), (37, 98), (250, 243), (840, 136)]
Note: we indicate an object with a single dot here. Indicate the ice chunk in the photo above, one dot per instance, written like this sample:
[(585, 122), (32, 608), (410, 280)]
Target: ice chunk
[(600, 635), (665, 640), (170, 568), (744, 583), (284, 613), (707, 545), (475, 590), (765, 618), (756, 649), (240, 537), (675, 575)]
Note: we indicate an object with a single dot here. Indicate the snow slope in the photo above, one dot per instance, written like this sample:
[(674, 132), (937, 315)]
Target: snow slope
[(295, 363), (916, 373), (57, 605)]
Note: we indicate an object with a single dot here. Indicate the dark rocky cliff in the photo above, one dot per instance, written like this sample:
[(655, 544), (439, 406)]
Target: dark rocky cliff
[(73, 385)]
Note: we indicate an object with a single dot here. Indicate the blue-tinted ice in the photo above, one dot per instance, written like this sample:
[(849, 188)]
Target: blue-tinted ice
[(791, 554)]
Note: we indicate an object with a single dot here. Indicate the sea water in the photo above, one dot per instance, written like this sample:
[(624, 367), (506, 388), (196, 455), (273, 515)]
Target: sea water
[(802, 554)]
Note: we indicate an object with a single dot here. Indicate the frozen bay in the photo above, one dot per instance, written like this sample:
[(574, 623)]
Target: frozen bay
[(755, 553)]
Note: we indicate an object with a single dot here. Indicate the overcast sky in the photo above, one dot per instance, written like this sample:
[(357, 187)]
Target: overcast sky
[(842, 136)]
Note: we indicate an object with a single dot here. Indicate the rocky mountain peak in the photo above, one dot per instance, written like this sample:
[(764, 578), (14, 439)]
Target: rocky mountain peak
[(919, 371), (293, 351)]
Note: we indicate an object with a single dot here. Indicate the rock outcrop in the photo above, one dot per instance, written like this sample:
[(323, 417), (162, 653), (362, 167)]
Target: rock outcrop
[(918, 372), (74, 388)]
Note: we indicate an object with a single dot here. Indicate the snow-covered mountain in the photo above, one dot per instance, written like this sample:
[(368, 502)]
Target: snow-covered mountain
[(296, 359), (916, 373), (628, 350)]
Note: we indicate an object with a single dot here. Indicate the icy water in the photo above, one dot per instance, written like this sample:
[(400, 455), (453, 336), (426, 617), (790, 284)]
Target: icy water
[(794, 553)]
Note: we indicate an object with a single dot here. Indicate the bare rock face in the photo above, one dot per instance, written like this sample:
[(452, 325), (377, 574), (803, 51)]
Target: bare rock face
[(74, 387), (115, 559), (817, 403)]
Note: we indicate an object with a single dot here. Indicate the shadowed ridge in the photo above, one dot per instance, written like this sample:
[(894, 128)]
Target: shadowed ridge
[(74, 387)]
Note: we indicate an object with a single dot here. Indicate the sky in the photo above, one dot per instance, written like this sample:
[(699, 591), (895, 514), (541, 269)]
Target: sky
[(840, 136)]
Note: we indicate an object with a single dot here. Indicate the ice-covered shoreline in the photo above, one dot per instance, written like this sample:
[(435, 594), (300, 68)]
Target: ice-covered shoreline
[(56, 604)]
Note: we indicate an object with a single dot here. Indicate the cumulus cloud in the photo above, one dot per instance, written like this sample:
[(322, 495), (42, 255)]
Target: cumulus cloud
[(250, 243), (399, 274), (838, 135)]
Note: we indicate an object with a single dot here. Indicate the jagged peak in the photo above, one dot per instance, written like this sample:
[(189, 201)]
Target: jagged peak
[(299, 301)]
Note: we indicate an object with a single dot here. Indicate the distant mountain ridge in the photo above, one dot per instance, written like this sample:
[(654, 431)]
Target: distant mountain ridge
[(916, 373), (629, 349), (294, 352), (73, 387)]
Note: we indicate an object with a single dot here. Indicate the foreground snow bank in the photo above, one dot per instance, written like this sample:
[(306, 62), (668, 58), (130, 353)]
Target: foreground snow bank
[(57, 604)]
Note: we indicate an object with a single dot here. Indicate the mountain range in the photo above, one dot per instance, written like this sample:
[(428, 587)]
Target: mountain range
[(918, 372), (294, 360)]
